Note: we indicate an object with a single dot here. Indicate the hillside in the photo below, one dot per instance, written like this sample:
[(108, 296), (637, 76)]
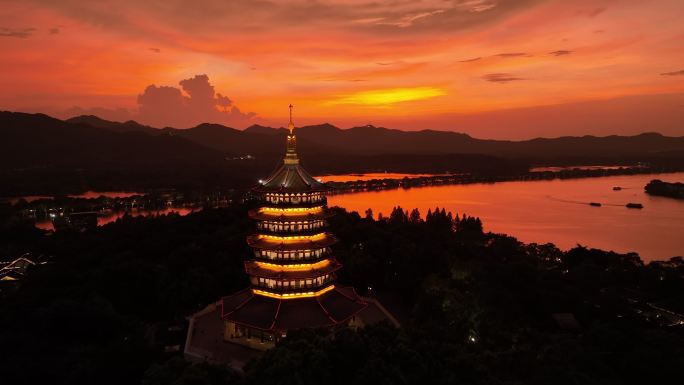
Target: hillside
[(371, 140), (39, 153)]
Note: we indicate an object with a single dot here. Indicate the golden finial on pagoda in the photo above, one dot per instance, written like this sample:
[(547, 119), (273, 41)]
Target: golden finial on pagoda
[(291, 126)]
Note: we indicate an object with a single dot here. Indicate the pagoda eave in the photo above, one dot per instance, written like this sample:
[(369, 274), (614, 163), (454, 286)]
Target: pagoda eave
[(257, 242), (253, 268), (284, 189), (261, 216), (247, 309)]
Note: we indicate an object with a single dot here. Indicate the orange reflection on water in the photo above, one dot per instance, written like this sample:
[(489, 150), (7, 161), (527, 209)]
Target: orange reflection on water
[(113, 216), (109, 194), (368, 176), (554, 211)]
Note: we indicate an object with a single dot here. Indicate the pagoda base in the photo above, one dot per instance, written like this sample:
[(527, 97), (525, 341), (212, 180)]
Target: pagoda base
[(213, 339), (251, 312), (252, 338)]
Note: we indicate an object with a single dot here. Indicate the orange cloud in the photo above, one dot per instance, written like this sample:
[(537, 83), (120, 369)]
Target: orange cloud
[(340, 60)]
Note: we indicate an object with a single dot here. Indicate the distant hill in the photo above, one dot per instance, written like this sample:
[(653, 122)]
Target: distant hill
[(371, 140), (129, 126), (39, 140), (40, 154)]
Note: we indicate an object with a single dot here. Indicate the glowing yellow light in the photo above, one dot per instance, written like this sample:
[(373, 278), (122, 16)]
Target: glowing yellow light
[(291, 211), (388, 96), (295, 267), (314, 237), (293, 295)]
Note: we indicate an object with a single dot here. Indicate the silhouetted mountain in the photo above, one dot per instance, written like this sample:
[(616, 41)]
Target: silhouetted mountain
[(45, 141), (230, 140), (129, 126), (40, 154), (259, 129), (371, 140)]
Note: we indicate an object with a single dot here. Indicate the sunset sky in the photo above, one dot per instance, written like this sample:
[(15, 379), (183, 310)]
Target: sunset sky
[(491, 68)]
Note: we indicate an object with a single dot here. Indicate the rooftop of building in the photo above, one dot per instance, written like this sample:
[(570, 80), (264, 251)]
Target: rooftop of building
[(279, 315), (290, 176)]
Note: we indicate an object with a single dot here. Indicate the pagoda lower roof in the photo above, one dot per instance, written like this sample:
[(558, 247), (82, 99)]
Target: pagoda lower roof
[(260, 242), (262, 216), (279, 315), (253, 268), (282, 189)]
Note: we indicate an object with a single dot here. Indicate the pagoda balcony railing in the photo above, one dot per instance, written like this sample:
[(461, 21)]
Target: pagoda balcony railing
[(292, 257), (295, 288), (292, 261), (292, 229)]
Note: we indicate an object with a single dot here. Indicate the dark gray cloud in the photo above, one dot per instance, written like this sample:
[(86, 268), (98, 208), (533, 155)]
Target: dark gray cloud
[(501, 78), (560, 52), (54, 30), (470, 60), (20, 33), (220, 16), (155, 50), (511, 54), (673, 73)]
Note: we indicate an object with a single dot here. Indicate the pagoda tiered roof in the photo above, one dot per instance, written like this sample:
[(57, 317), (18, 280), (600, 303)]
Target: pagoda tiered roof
[(271, 243), (335, 306), (291, 178), (260, 269)]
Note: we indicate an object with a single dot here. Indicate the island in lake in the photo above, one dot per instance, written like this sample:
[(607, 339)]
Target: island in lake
[(665, 189)]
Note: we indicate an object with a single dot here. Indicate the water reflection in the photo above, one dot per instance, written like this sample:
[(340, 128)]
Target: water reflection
[(555, 211), (369, 176), (110, 217), (86, 195)]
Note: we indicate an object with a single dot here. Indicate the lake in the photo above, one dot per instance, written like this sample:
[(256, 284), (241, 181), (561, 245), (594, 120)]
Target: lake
[(112, 216), (368, 176), (555, 211), (86, 195)]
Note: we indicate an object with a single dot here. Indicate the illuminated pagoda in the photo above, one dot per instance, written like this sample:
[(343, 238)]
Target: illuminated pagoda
[(292, 272)]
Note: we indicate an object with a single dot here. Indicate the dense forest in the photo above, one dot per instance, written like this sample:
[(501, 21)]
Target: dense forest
[(476, 307)]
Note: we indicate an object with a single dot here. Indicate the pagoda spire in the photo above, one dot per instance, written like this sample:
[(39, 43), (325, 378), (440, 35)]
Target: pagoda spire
[(291, 126), (291, 152)]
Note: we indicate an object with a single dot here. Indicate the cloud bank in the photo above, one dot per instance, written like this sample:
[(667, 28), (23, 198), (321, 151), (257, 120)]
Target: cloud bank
[(195, 102)]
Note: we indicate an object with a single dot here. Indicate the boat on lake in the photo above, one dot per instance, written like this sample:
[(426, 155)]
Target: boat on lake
[(634, 206), (595, 204), (617, 188)]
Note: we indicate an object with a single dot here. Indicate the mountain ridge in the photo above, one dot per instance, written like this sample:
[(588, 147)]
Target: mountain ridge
[(38, 152)]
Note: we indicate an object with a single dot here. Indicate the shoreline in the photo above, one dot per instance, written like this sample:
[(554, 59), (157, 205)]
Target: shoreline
[(351, 187)]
